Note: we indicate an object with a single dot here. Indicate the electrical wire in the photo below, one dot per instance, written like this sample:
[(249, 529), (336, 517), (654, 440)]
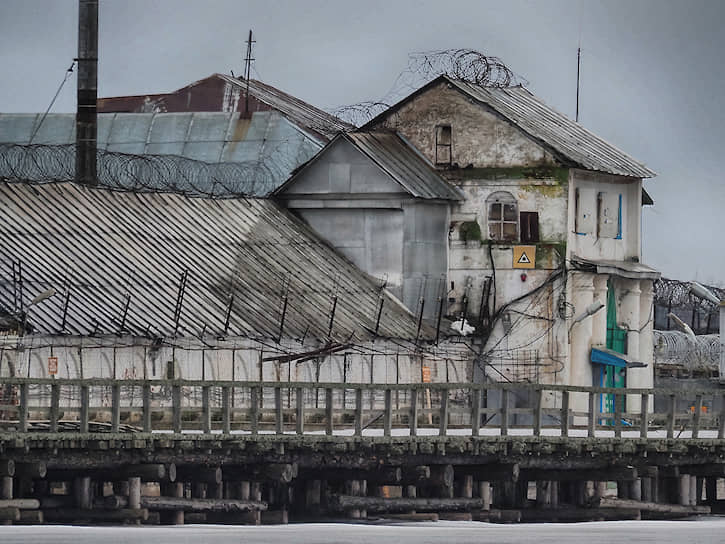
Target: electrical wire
[(55, 96)]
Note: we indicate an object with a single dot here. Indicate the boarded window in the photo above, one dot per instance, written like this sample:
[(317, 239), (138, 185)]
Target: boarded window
[(608, 215), (584, 203), (443, 144), (529, 227), (503, 220)]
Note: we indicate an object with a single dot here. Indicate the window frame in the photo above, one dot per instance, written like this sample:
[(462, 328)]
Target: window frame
[(502, 199), (439, 129)]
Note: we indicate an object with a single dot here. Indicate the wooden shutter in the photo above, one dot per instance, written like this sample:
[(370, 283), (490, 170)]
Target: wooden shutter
[(529, 227)]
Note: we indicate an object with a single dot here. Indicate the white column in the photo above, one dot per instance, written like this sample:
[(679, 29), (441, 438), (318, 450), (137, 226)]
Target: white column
[(599, 319), (580, 338), (630, 316), (645, 376)]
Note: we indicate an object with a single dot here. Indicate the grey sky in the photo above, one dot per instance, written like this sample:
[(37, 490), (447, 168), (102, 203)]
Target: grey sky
[(653, 76)]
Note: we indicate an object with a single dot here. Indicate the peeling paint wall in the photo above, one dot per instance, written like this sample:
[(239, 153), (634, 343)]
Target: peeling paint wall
[(480, 137), (596, 190)]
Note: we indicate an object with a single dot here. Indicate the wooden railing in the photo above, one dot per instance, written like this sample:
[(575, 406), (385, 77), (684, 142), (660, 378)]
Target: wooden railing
[(225, 407)]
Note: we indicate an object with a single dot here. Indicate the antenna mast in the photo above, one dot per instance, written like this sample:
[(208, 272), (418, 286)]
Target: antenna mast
[(247, 69), (578, 65)]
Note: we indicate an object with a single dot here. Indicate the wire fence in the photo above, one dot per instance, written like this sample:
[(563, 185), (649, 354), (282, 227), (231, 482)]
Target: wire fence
[(145, 173)]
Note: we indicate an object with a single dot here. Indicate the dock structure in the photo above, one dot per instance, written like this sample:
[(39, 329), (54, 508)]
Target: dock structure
[(175, 451)]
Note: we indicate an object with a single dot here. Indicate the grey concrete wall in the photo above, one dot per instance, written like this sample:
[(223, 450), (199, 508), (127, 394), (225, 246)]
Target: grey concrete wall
[(368, 217), (425, 262)]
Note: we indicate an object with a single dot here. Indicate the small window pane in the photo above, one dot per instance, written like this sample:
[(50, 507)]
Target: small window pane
[(509, 212), (494, 213), (494, 231), (509, 231)]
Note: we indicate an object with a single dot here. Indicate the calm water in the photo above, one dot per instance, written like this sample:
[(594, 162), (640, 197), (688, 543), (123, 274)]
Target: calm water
[(619, 532)]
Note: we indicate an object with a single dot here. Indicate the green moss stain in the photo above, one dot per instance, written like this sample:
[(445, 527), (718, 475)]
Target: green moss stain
[(470, 231), (550, 254), (557, 174)]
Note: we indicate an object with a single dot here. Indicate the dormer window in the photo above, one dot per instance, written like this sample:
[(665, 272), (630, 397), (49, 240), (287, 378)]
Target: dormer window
[(502, 217), (443, 145)]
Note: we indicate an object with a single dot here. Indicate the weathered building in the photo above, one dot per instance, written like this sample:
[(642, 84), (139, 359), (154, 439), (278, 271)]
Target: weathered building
[(547, 234), (152, 285), (383, 206)]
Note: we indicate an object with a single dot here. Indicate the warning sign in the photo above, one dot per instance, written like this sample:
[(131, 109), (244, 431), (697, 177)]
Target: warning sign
[(52, 366), (524, 256)]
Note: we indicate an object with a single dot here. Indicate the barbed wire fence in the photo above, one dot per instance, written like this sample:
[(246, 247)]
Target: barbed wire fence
[(674, 296), (42, 163), (463, 64)]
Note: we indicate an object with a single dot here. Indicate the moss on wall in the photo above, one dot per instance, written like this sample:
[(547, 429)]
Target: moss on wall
[(557, 174), (470, 231)]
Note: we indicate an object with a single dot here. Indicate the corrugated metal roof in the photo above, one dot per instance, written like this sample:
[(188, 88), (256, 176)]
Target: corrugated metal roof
[(268, 138), (297, 110), (404, 164), (398, 159), (106, 245), (556, 131)]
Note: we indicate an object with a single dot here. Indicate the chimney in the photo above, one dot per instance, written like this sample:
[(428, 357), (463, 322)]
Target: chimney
[(86, 124)]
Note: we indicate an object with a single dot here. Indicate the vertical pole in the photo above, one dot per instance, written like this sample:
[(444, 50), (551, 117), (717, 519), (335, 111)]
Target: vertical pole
[(300, 417), (443, 427), (358, 411), (254, 410), (86, 127), (475, 411), (328, 411), (578, 66), (146, 394), (176, 401), (413, 423), (388, 418), (671, 417), (84, 408), (54, 407), (592, 422), (278, 414), (205, 410), (23, 408), (115, 407), (504, 412), (644, 416), (538, 411), (226, 410)]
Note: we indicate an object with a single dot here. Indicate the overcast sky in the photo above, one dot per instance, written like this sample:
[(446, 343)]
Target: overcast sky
[(653, 75)]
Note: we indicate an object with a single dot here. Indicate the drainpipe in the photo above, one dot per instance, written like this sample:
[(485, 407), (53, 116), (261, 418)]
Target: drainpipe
[(86, 119)]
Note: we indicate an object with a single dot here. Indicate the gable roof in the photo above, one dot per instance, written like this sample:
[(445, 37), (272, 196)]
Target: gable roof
[(569, 140), (397, 159), (112, 248), (223, 93)]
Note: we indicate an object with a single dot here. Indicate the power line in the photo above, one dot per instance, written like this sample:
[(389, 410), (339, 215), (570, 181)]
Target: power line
[(65, 78)]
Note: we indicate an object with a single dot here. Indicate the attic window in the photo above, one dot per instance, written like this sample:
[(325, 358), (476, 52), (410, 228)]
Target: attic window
[(443, 144), (502, 217)]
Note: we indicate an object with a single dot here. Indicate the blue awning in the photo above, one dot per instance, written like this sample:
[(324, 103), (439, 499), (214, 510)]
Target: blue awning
[(603, 356)]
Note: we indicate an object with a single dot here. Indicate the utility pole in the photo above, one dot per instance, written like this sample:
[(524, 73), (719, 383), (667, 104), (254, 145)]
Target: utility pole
[(578, 65), (86, 119), (247, 71)]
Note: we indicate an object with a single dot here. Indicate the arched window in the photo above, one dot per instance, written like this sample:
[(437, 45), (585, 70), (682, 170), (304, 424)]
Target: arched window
[(503, 216)]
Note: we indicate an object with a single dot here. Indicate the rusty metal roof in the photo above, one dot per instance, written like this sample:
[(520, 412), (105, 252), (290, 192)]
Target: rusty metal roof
[(555, 130), (111, 249), (223, 93), (298, 111), (403, 163)]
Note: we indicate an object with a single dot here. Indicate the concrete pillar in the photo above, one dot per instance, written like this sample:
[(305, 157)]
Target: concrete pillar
[(599, 319), (645, 376), (629, 315), (684, 490), (484, 491), (580, 339)]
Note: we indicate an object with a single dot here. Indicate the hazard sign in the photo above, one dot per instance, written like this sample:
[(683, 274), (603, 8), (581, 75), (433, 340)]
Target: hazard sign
[(524, 256), (52, 366)]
